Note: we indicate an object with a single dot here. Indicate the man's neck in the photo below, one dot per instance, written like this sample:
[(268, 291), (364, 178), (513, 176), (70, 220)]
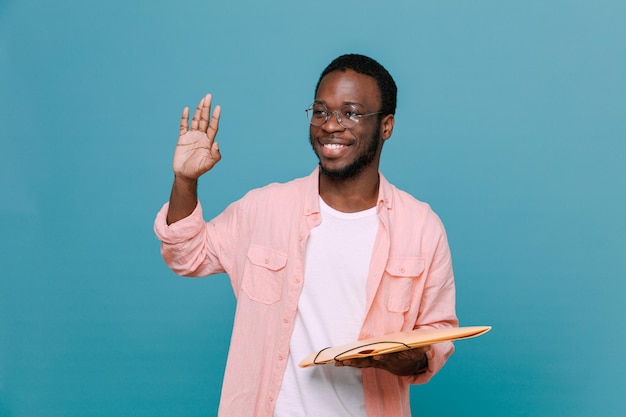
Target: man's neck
[(352, 194)]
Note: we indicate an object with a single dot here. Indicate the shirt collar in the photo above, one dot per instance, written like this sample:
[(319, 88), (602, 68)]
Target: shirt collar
[(311, 203), (385, 195)]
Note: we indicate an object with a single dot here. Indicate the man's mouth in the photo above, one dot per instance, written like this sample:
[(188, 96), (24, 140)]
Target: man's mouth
[(333, 146)]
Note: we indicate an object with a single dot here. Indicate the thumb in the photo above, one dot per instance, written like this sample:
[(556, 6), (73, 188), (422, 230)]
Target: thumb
[(215, 151)]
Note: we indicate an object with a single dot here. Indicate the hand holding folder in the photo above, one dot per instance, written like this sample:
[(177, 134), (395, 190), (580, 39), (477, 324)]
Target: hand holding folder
[(390, 343)]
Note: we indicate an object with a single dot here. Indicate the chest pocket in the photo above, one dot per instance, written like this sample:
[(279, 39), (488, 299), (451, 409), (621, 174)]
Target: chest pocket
[(264, 274), (401, 274)]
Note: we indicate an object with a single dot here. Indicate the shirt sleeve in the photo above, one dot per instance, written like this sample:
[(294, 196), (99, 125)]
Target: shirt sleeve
[(186, 245), (438, 309)]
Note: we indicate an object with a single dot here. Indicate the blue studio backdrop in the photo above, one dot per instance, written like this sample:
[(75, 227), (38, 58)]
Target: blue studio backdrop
[(511, 123)]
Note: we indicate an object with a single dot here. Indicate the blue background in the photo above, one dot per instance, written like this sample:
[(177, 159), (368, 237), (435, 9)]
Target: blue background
[(511, 123)]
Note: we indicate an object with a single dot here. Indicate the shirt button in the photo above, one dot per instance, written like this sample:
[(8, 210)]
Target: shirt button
[(297, 280), (401, 269), (266, 260), (285, 321), (281, 357)]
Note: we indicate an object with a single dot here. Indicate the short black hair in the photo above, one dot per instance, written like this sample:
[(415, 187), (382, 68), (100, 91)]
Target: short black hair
[(367, 66)]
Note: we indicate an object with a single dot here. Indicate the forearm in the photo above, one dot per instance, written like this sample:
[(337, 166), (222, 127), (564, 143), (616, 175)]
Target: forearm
[(183, 198)]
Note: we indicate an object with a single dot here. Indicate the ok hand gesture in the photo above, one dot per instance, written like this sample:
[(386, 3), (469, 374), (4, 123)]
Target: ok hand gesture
[(196, 151)]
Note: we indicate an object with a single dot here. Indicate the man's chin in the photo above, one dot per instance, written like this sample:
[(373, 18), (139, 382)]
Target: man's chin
[(343, 173)]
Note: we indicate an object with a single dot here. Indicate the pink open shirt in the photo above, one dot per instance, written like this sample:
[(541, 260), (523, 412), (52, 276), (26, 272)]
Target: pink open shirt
[(260, 241)]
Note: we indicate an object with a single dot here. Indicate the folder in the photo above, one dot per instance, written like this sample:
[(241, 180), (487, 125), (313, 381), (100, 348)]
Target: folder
[(394, 342)]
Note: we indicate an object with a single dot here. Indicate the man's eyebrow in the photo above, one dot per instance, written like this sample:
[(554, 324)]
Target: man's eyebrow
[(351, 103)]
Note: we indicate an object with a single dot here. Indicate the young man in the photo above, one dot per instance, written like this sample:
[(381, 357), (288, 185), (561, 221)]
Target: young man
[(320, 261)]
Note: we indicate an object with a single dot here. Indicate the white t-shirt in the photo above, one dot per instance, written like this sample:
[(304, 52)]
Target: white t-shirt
[(331, 310)]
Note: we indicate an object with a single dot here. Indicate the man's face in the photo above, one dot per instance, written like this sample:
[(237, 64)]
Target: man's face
[(344, 153)]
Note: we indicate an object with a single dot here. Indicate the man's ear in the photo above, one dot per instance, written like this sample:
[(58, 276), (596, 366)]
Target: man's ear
[(386, 126)]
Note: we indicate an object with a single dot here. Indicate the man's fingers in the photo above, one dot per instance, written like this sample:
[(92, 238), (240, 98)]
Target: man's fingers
[(357, 362), (195, 122), (184, 121), (214, 124), (200, 120), (204, 113)]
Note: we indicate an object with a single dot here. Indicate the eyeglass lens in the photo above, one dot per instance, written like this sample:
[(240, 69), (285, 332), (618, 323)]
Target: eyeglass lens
[(347, 115)]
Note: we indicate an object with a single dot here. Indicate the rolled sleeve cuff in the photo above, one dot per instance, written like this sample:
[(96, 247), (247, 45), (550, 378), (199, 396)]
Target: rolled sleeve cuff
[(181, 230)]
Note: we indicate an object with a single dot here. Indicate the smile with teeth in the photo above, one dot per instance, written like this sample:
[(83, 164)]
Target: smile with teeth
[(333, 146)]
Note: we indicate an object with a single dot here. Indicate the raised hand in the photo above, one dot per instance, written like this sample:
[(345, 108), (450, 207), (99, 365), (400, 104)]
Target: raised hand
[(196, 151)]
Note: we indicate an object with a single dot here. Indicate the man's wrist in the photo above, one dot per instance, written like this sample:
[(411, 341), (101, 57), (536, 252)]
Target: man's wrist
[(181, 179)]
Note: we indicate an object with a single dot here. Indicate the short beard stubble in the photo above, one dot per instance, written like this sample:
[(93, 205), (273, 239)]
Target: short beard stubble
[(363, 160)]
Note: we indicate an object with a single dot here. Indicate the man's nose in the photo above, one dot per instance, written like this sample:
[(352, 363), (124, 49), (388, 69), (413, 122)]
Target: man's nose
[(332, 124)]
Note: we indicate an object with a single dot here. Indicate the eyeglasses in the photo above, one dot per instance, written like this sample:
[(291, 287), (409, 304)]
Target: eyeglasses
[(347, 115)]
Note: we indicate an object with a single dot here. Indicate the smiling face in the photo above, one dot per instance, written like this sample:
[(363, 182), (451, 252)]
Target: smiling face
[(346, 153)]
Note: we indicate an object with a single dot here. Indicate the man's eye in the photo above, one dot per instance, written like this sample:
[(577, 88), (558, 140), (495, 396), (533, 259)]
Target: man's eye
[(319, 113), (351, 114)]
